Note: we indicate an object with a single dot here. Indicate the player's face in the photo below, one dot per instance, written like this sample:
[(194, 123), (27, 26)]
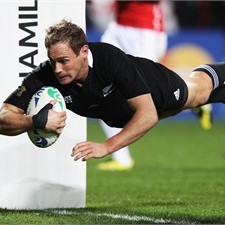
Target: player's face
[(67, 66)]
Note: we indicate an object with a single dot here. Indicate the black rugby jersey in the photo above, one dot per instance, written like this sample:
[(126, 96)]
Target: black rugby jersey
[(113, 78)]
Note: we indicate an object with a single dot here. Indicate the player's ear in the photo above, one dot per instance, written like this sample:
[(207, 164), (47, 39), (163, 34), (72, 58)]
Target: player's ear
[(84, 49)]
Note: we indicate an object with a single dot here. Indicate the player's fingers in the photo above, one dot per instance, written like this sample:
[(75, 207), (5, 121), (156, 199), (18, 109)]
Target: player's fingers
[(79, 148), (63, 116), (88, 156), (80, 145), (58, 131), (53, 102), (62, 124), (82, 154)]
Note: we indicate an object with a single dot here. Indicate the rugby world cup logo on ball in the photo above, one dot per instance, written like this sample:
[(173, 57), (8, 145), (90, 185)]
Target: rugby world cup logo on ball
[(40, 137)]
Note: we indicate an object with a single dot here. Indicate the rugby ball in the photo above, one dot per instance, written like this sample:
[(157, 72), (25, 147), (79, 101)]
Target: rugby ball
[(40, 137)]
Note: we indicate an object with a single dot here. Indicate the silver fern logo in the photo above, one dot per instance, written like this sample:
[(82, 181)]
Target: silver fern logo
[(107, 90)]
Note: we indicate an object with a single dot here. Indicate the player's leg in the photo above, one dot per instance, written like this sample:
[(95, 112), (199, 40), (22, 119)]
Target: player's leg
[(200, 87), (204, 113), (206, 84), (216, 71)]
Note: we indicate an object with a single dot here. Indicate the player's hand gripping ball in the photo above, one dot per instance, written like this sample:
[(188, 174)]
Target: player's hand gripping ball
[(40, 137)]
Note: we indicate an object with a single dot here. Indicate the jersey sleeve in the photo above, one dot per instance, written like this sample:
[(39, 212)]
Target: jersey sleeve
[(31, 83)]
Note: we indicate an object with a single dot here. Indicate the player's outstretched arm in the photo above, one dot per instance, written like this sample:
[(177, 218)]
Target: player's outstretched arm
[(144, 118), (13, 121)]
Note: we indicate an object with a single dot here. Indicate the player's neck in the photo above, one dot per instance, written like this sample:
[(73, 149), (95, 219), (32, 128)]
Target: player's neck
[(83, 76)]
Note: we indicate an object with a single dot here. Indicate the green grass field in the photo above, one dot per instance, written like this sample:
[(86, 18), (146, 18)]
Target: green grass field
[(179, 177)]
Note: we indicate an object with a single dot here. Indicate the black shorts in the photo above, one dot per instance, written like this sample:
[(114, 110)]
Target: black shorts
[(177, 91)]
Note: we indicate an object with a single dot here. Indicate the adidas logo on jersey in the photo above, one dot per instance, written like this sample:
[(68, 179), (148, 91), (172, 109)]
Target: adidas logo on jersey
[(177, 94)]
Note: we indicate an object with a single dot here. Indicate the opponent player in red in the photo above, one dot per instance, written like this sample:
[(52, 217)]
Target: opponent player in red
[(138, 29)]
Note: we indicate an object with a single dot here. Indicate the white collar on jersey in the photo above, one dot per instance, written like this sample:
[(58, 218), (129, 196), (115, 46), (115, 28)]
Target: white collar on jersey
[(90, 58)]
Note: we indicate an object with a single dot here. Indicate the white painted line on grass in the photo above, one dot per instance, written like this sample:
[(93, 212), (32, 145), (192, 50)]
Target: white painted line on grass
[(121, 216), (131, 218)]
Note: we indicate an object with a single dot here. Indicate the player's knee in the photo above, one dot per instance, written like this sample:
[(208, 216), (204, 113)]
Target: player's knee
[(203, 99)]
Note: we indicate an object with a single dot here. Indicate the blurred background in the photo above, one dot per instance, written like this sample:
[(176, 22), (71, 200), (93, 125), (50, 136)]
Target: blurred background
[(195, 35), (179, 168)]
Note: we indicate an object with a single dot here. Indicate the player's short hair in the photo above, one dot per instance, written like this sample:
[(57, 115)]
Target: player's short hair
[(66, 31)]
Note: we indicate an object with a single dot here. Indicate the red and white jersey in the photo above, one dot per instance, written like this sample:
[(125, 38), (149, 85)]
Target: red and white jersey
[(139, 14)]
